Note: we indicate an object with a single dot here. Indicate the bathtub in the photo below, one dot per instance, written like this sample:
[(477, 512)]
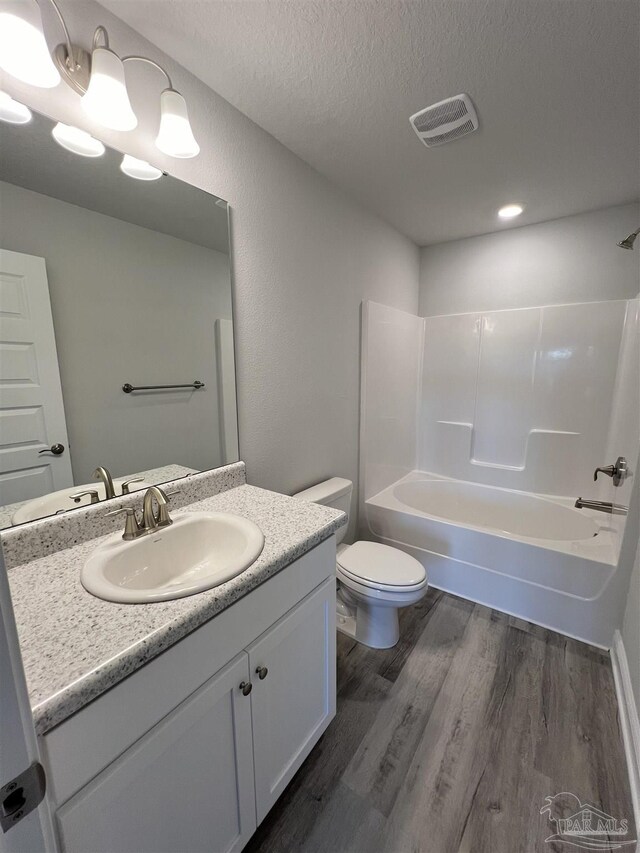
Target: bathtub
[(533, 556), (516, 514)]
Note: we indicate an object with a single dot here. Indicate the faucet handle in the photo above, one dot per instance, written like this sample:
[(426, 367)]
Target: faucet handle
[(163, 518), (619, 472), (131, 526), (76, 497), (127, 483), (609, 470)]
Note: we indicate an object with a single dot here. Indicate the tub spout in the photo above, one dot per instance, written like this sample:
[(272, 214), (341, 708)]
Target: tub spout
[(602, 506)]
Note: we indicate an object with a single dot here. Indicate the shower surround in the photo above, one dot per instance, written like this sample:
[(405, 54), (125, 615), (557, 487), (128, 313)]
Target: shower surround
[(479, 431)]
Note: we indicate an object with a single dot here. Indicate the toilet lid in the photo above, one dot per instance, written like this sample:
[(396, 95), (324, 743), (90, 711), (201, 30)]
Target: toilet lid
[(380, 565)]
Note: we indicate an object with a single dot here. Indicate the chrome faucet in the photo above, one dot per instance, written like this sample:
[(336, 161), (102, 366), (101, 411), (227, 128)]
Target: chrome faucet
[(151, 521), (105, 475), (602, 506)]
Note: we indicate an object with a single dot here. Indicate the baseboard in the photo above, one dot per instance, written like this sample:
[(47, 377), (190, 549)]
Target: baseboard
[(525, 617), (628, 719)]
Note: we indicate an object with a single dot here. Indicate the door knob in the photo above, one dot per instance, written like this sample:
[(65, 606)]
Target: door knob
[(246, 687), (262, 672), (56, 449)]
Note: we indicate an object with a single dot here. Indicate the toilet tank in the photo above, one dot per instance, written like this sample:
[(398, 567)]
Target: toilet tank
[(335, 492)]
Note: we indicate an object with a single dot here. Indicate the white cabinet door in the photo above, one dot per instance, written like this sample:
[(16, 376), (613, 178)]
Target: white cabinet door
[(31, 408), (296, 699), (187, 785)]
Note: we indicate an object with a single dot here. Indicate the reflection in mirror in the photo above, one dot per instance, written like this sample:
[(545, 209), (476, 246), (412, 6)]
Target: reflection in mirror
[(116, 327)]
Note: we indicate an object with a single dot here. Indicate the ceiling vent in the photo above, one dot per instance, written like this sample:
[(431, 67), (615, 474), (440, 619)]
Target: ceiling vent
[(445, 121)]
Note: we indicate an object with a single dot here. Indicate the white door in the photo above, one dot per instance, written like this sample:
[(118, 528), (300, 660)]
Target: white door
[(187, 785), (31, 408), (227, 403), (31, 832), (294, 700)]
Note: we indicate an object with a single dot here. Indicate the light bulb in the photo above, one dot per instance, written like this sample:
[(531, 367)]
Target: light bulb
[(175, 136), (139, 169), (13, 111), (23, 50), (77, 141), (509, 211), (107, 100)]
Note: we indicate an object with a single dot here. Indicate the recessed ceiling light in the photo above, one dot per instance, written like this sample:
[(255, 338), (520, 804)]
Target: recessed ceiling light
[(510, 210), (139, 169), (13, 111), (77, 141)]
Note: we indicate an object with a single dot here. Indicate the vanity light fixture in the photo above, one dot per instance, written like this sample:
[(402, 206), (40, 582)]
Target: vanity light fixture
[(175, 136), (23, 50), (77, 141), (139, 169), (510, 211), (106, 100), (13, 111), (98, 77)]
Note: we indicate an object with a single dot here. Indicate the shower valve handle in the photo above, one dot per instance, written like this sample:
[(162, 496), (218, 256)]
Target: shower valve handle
[(618, 472), (609, 470)]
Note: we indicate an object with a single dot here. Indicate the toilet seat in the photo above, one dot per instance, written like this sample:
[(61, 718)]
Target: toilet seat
[(380, 567)]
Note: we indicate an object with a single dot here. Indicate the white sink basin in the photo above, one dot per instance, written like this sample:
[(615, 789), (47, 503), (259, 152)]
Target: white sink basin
[(198, 551), (55, 501)]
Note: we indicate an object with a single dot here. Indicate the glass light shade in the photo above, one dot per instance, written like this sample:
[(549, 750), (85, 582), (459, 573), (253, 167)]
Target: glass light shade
[(13, 111), (23, 50), (175, 136), (77, 141), (139, 169), (509, 211), (107, 100)]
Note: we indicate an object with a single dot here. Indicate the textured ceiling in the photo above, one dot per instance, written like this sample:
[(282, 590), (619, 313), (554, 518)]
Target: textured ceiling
[(556, 84)]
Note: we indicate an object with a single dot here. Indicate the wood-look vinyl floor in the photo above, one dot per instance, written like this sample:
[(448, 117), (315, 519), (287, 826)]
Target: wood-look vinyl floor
[(451, 741)]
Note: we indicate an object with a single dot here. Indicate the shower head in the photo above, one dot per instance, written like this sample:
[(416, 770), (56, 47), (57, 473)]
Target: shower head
[(627, 243)]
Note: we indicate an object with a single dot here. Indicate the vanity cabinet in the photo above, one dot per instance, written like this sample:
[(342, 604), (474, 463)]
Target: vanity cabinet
[(208, 771), (187, 785), (294, 701)]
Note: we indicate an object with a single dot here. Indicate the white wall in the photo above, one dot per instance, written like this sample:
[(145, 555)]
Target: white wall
[(523, 398), (304, 257), (631, 629), (391, 347), (128, 305), (574, 259)]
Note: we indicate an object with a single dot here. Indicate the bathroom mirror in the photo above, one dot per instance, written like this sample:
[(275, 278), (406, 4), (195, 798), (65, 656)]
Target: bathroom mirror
[(116, 324)]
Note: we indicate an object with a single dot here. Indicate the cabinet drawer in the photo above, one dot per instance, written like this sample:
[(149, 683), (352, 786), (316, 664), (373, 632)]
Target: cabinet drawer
[(82, 746)]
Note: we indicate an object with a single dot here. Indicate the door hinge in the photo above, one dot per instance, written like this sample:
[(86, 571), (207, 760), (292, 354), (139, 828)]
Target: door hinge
[(22, 795)]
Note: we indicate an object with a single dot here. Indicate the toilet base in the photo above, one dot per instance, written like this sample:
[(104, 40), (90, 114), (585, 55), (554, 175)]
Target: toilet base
[(346, 625), (373, 625), (377, 626)]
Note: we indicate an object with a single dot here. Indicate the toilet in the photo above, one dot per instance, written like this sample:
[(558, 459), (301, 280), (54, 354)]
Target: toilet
[(374, 580)]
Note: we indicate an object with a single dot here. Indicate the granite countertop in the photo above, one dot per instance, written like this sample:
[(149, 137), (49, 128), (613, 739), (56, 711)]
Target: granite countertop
[(75, 646)]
